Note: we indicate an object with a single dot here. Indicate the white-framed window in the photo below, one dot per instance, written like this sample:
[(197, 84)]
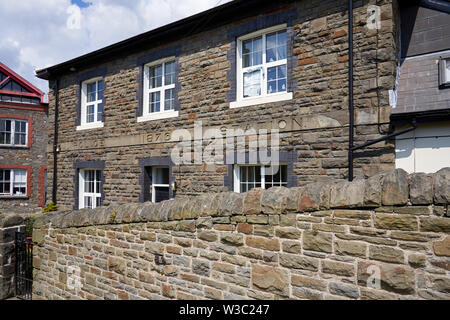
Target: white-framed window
[(91, 104), (160, 184), (159, 90), (444, 72), (90, 184), (13, 132), (247, 177), (262, 67), (13, 182)]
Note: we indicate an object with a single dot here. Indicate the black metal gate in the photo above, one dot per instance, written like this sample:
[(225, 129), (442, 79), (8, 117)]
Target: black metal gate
[(24, 266)]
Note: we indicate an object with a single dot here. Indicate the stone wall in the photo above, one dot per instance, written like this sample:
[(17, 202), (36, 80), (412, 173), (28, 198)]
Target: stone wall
[(386, 237), (9, 225), (314, 124)]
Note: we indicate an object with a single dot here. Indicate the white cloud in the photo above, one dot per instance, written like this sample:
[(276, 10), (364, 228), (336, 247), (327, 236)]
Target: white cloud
[(38, 34)]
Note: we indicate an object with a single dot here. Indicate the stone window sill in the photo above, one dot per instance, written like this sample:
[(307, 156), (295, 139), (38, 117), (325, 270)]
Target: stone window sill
[(14, 198), (158, 116), (261, 100), (88, 126), (8, 146)]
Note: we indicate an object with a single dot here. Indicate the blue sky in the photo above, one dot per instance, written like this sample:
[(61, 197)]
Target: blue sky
[(41, 33), (81, 3)]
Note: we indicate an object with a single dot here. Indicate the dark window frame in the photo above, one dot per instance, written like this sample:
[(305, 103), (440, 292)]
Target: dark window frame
[(142, 61), (443, 82), (97, 73), (81, 165), (145, 179), (259, 23)]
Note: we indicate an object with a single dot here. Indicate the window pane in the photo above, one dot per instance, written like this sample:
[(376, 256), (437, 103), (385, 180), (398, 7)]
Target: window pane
[(161, 194), (169, 73), (161, 176), (276, 79), (98, 202), (251, 174), (20, 181), (100, 90), (19, 139), (281, 85), (252, 52), (252, 83), (5, 138), (98, 181), (20, 176), (5, 131), (276, 178), (447, 70), (90, 113), (5, 182), (276, 46), (155, 101), (169, 99), (88, 202), (20, 126), (19, 189), (100, 112), (155, 77), (91, 91)]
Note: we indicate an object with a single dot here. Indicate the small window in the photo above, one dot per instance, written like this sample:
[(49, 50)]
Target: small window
[(13, 132), (444, 72), (13, 182), (160, 189), (90, 188), (248, 177), (92, 104), (159, 93)]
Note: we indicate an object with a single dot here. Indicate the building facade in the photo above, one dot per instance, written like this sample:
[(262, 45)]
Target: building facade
[(224, 78), (23, 143), (424, 88)]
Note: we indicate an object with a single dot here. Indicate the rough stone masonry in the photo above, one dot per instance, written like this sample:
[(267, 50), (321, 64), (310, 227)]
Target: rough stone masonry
[(319, 108), (386, 237)]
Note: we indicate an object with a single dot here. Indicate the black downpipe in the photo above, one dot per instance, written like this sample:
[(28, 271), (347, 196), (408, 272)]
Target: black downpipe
[(55, 143), (350, 89)]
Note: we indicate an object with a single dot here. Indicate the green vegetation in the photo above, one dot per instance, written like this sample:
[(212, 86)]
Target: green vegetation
[(29, 222), (113, 216), (50, 207)]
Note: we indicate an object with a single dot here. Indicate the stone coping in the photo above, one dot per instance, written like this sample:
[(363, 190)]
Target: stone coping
[(8, 220), (390, 188)]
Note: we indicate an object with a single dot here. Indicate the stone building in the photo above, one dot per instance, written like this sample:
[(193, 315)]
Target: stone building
[(118, 114), (23, 143), (423, 91)]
